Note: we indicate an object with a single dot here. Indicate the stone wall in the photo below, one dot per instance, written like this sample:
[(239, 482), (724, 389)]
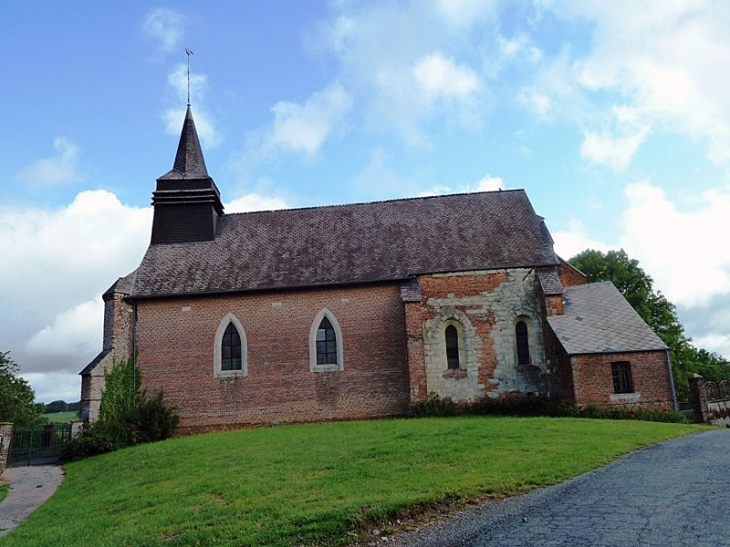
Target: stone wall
[(175, 343), (6, 434), (593, 382), (484, 306)]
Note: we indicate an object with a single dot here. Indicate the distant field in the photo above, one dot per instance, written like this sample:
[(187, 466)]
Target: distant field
[(62, 417), (317, 484)]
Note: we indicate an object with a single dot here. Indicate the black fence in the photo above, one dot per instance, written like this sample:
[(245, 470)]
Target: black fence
[(39, 445)]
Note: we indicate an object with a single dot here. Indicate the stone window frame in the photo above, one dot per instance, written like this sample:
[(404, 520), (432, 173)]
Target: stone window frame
[(530, 326), (218, 371), (622, 377), (452, 320), (313, 366)]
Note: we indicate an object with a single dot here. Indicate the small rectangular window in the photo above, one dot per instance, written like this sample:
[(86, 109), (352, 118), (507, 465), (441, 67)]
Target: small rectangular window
[(622, 381)]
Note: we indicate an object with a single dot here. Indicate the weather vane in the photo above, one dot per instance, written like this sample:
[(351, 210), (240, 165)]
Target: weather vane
[(189, 52)]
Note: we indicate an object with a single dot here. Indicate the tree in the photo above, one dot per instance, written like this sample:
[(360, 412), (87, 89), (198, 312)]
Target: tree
[(653, 307), (17, 400), (56, 406)]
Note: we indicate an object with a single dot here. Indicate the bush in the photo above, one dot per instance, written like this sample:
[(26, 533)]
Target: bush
[(151, 420), (92, 442), (520, 405)]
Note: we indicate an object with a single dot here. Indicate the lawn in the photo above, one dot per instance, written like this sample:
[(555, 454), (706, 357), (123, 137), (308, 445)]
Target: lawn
[(62, 417), (4, 489), (319, 483)]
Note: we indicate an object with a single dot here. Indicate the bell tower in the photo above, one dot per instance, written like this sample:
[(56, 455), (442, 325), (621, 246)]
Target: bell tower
[(187, 202)]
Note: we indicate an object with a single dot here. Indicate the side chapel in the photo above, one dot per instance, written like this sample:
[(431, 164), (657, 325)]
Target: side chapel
[(357, 311)]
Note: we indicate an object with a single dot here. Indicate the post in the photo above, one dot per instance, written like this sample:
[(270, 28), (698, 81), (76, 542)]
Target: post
[(6, 434), (698, 398)]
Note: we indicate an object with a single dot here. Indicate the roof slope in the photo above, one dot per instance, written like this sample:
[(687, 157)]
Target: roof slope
[(357, 243), (598, 319), (189, 161)]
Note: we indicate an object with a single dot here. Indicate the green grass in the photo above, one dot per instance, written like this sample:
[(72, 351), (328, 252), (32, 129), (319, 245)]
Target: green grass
[(319, 483), (62, 417), (4, 489)]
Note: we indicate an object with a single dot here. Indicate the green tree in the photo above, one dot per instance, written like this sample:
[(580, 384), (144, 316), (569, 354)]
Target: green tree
[(56, 406), (17, 400), (658, 312)]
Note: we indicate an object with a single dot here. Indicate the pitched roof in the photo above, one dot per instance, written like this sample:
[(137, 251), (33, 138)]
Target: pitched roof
[(189, 161), (348, 244), (598, 319)]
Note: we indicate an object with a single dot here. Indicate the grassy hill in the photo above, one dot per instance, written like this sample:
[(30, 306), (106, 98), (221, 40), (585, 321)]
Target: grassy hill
[(62, 417), (317, 484)]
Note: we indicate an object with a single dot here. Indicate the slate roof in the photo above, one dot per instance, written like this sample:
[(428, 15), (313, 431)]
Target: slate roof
[(598, 319), (189, 161), (550, 282), (351, 244)]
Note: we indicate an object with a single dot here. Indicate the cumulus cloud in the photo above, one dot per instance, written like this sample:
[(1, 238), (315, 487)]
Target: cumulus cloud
[(165, 26), (255, 202), (60, 168), (304, 127), (440, 77), (173, 117), (664, 65), (575, 239), (679, 245), (62, 260)]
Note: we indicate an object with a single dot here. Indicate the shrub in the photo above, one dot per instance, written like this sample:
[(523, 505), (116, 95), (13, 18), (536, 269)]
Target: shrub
[(521, 405), (151, 420), (92, 442)]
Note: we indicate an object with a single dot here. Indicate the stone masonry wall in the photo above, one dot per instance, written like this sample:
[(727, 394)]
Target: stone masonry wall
[(118, 340), (6, 433), (175, 339), (593, 382), (484, 306)]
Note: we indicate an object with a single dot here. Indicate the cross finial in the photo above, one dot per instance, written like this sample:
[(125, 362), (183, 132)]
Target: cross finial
[(189, 52)]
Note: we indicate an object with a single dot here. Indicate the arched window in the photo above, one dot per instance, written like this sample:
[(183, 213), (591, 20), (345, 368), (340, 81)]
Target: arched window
[(325, 343), (452, 347), (231, 349), (523, 343)]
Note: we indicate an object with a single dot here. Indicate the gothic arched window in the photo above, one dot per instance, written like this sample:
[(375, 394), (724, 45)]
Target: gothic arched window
[(452, 347), (523, 343)]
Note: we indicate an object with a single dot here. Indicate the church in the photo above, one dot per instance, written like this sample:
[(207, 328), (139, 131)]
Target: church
[(358, 311)]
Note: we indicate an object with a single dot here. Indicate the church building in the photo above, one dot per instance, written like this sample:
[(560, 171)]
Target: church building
[(357, 311)]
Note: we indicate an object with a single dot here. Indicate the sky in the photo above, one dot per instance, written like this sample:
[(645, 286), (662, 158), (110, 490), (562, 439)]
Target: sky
[(614, 116)]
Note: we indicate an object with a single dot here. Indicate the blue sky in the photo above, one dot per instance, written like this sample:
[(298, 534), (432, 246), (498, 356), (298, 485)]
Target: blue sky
[(613, 116)]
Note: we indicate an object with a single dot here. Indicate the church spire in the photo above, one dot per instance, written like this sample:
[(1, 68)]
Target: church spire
[(187, 202), (189, 161)]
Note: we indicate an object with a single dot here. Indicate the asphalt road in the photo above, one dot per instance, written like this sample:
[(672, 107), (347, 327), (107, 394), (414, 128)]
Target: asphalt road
[(676, 493)]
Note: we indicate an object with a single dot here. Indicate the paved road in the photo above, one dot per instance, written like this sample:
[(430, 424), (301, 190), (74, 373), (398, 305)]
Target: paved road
[(673, 494), (29, 488)]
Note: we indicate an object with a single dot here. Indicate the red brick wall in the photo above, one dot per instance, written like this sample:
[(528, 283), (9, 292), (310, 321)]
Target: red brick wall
[(176, 354), (594, 384), (569, 276)]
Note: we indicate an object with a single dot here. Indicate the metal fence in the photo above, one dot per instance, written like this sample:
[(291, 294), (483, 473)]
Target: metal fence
[(39, 445)]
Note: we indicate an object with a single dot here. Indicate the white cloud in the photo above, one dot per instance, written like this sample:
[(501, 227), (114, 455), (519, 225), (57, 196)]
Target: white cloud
[(303, 128), (62, 260), (683, 250), (75, 331), (487, 183), (174, 116), (464, 13), (166, 26), (663, 63), (614, 152), (54, 386), (58, 169), (574, 240), (442, 77), (255, 202)]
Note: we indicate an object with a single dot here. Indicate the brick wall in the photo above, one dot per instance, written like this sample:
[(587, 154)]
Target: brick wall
[(569, 276), (175, 352), (593, 382), (484, 305)]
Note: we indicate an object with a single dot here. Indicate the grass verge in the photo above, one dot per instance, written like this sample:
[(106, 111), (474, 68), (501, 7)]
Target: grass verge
[(62, 417), (317, 484), (4, 489)]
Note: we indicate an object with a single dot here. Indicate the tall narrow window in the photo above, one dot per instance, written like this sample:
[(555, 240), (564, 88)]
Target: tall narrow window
[(326, 343), (452, 347), (231, 349), (523, 343), (622, 381)]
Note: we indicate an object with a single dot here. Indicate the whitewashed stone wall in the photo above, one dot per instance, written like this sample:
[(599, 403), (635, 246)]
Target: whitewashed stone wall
[(496, 312)]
